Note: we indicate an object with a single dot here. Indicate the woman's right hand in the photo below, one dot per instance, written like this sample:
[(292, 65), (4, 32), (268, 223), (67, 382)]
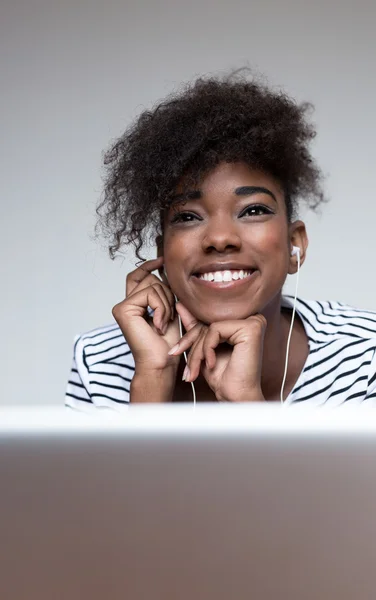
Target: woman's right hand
[(149, 338)]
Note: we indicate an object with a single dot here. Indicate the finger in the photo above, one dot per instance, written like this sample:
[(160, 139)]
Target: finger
[(145, 282), (187, 340), (165, 292), (169, 301), (247, 334), (160, 312), (259, 322), (196, 356), (161, 317), (135, 277), (211, 342), (188, 320), (135, 306)]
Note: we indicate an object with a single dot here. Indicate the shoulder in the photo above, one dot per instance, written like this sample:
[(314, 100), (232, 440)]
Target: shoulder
[(326, 320), (101, 339), (103, 345), (105, 365), (341, 365)]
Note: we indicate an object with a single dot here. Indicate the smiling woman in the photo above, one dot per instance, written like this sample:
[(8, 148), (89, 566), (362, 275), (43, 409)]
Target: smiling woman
[(216, 173)]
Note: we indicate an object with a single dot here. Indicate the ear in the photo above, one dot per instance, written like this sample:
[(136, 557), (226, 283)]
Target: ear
[(297, 237)]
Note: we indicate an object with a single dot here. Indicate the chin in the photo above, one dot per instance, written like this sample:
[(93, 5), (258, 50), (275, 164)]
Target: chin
[(224, 313)]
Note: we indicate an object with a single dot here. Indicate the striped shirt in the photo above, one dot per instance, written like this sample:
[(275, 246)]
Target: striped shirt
[(340, 367)]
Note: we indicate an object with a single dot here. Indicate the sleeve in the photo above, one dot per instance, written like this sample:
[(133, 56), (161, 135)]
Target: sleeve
[(77, 396), (370, 397)]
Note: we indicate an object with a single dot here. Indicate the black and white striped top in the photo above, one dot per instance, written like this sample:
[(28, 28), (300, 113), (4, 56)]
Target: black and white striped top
[(341, 365)]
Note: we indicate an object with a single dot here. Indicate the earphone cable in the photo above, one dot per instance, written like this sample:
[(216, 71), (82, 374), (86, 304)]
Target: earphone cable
[(291, 326)]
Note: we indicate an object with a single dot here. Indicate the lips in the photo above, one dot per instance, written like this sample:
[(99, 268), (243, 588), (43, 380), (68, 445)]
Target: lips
[(225, 285), (227, 275), (222, 266)]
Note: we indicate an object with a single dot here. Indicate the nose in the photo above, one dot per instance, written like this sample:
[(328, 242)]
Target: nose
[(220, 234)]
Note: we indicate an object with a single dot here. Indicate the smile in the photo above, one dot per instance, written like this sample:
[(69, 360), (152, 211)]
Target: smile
[(224, 279)]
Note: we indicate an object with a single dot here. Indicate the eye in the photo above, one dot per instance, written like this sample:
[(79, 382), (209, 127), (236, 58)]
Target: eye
[(254, 210), (183, 217), (257, 210)]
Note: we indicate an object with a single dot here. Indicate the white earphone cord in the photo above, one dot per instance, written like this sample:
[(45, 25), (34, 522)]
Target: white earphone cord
[(297, 252)]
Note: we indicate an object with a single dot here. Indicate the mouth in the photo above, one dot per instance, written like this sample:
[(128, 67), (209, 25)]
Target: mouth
[(224, 280)]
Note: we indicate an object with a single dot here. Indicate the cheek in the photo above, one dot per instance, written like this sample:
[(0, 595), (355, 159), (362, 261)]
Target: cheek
[(178, 248), (278, 244), (175, 256), (275, 246)]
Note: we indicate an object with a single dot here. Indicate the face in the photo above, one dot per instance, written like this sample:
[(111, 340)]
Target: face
[(234, 221)]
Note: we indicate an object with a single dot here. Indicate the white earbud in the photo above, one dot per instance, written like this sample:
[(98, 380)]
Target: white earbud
[(295, 251)]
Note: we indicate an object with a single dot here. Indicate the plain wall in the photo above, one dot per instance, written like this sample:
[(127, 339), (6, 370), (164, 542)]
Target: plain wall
[(74, 74)]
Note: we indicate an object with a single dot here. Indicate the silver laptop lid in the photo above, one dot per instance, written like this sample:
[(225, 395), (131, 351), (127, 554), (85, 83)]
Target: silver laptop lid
[(166, 502)]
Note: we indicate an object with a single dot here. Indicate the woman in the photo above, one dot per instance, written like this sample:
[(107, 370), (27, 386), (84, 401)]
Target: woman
[(216, 173)]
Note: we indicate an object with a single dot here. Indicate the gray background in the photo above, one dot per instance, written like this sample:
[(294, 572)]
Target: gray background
[(75, 73)]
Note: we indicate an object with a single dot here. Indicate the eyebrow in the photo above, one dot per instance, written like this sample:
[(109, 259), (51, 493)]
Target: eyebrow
[(249, 190), (245, 190)]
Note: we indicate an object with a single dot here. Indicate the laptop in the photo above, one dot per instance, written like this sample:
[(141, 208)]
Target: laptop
[(174, 502)]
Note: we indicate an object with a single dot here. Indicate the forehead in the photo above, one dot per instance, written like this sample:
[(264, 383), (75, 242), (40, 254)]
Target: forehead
[(224, 179)]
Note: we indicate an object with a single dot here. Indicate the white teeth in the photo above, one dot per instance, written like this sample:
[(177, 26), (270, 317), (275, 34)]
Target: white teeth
[(219, 276)]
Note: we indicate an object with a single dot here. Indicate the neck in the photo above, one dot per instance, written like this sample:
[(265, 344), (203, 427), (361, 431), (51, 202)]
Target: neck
[(275, 347)]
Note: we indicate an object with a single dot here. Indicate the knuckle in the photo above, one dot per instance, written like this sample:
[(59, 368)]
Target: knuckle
[(258, 323), (213, 329), (116, 310), (201, 328), (193, 335), (169, 293), (152, 278)]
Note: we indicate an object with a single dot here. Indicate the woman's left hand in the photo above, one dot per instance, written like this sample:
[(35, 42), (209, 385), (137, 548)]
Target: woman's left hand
[(232, 370)]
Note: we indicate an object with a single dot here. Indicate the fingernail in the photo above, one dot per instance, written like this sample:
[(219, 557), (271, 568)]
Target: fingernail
[(173, 349), (186, 374)]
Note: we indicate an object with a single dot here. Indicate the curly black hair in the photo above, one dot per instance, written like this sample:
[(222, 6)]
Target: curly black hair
[(207, 122)]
